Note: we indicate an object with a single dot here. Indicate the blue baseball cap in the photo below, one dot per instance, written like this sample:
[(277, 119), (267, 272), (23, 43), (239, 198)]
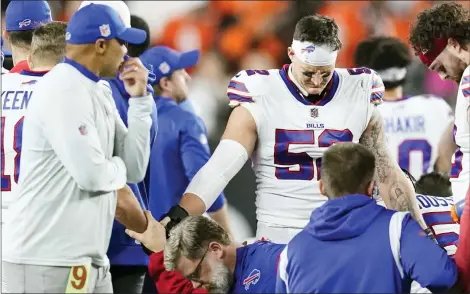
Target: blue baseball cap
[(163, 61), (26, 15), (96, 21)]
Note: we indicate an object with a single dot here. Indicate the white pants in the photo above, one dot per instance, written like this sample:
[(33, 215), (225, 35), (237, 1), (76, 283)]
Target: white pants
[(26, 278), (275, 233)]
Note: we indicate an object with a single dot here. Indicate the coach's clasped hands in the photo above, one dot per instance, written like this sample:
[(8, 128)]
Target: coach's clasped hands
[(154, 237), (135, 77)]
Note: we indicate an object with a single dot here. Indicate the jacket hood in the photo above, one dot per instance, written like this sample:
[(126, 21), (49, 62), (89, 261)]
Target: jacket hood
[(343, 218)]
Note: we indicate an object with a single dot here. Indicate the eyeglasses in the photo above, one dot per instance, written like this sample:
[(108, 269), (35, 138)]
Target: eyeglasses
[(196, 274)]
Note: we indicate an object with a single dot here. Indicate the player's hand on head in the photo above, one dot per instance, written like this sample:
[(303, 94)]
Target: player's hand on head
[(135, 77), (154, 237)]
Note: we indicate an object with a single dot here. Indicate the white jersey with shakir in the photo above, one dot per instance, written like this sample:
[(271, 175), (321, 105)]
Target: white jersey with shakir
[(293, 134), (17, 90), (460, 172), (413, 127)]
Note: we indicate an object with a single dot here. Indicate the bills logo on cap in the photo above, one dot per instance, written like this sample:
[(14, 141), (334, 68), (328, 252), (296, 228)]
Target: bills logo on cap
[(314, 112), (164, 68), (24, 23), (105, 30), (252, 279), (308, 49)]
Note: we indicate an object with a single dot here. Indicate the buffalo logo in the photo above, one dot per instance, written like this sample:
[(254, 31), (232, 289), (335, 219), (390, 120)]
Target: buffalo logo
[(105, 30), (32, 82), (252, 279), (308, 49), (24, 23), (314, 112)]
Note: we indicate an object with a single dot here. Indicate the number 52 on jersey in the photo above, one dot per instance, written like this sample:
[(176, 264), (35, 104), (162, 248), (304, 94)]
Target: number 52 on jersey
[(299, 165)]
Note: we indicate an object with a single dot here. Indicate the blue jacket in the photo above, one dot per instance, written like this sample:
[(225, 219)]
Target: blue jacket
[(255, 270), (346, 248), (180, 150), (124, 250)]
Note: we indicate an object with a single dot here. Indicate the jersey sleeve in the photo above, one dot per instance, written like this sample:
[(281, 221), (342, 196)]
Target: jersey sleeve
[(241, 90), (464, 87), (377, 89), (245, 89)]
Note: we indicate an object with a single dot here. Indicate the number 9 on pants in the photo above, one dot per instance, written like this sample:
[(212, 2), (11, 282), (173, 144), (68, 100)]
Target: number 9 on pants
[(78, 279)]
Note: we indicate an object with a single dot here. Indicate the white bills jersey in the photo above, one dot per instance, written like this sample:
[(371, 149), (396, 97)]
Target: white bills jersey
[(413, 128), (17, 90), (437, 215), (293, 133), (460, 172)]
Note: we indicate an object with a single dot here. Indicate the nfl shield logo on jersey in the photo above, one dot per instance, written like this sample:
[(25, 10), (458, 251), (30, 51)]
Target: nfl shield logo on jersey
[(314, 112)]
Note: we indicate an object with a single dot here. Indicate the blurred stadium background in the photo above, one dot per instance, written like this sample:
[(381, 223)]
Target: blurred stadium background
[(235, 35)]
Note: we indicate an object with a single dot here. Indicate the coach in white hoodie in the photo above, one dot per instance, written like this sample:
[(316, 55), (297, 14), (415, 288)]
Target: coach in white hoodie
[(76, 154)]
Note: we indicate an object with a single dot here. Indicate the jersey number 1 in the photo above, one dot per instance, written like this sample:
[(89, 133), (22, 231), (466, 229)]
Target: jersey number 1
[(17, 135), (305, 163)]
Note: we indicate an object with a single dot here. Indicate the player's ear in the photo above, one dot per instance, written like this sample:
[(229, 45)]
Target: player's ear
[(290, 53), (5, 35), (100, 46), (454, 44), (217, 249)]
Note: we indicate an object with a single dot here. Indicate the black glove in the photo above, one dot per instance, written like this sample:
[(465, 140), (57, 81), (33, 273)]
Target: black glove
[(176, 215)]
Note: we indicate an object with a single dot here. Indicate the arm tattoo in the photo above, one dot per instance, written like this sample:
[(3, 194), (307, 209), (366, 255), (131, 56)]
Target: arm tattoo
[(387, 171)]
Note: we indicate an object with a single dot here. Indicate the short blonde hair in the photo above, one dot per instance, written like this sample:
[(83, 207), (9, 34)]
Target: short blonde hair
[(347, 168), (48, 43), (191, 237)]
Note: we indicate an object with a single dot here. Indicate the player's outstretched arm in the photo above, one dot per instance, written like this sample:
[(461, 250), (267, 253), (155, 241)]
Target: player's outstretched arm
[(235, 147), (395, 189)]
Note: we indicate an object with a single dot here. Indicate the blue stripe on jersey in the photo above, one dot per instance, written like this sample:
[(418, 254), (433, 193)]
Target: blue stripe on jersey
[(466, 80), (239, 86), (239, 98), (466, 92)]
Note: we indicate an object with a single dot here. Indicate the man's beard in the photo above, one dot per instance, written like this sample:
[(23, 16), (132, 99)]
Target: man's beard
[(221, 280)]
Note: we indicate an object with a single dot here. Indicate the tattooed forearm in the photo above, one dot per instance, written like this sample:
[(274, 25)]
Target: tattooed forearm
[(395, 189), (400, 201), (374, 140)]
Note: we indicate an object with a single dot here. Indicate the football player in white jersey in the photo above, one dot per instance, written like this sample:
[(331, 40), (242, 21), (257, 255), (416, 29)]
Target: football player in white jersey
[(437, 213), (285, 119), (441, 40), (413, 125), (440, 37), (47, 49)]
